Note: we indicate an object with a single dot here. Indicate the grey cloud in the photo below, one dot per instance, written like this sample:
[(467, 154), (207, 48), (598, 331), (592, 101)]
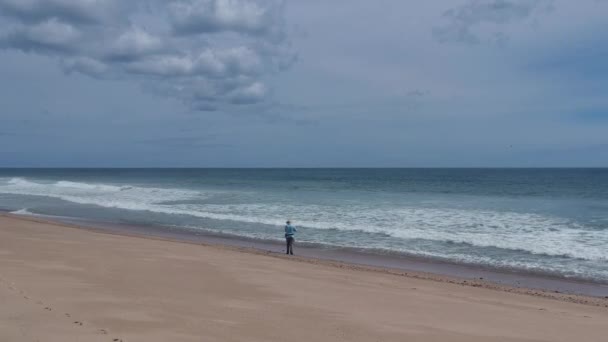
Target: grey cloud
[(252, 93), (82, 12), (209, 94), (84, 65), (134, 43), (51, 36), (207, 16), (463, 23), (220, 63), (217, 63)]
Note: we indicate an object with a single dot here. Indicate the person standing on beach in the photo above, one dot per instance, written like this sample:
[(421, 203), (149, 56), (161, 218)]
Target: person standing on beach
[(290, 231)]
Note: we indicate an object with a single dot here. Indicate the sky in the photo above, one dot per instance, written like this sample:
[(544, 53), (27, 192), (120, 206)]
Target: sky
[(315, 83)]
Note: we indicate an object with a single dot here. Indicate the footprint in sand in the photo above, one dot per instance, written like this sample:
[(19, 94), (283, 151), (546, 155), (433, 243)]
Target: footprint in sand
[(103, 331), (67, 315), (117, 340), (78, 322), (47, 308)]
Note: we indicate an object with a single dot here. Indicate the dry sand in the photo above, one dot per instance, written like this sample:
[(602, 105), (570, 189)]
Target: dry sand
[(59, 283)]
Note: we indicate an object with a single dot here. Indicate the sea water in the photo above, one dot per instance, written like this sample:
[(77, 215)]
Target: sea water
[(551, 221)]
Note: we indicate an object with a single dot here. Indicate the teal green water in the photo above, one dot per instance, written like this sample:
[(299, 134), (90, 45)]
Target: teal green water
[(541, 220)]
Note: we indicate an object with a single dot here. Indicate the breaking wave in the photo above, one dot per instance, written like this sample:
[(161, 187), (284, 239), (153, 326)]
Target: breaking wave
[(516, 231)]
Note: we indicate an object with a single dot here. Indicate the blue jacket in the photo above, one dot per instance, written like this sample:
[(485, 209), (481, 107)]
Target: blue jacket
[(290, 231)]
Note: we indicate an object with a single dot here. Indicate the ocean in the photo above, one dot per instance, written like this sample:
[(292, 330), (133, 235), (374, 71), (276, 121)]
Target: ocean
[(547, 221)]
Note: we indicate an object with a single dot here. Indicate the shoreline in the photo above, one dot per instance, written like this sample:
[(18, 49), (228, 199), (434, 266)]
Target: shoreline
[(563, 289), (59, 282)]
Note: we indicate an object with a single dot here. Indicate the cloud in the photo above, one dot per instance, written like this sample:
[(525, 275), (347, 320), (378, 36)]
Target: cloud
[(84, 65), (81, 11), (214, 63), (51, 36), (209, 54), (247, 17), (134, 43), (249, 94), (479, 21)]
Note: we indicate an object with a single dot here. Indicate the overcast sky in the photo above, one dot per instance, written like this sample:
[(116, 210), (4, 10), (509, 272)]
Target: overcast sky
[(246, 83)]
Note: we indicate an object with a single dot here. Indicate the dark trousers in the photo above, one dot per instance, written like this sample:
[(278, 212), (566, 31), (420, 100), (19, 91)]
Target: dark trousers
[(289, 240)]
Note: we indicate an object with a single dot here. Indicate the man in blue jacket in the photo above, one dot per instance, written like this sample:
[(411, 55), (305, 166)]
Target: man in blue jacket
[(290, 231)]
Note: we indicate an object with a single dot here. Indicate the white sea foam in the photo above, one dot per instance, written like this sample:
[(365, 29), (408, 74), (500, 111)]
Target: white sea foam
[(533, 233), (529, 232), (23, 211), (86, 186), (105, 195)]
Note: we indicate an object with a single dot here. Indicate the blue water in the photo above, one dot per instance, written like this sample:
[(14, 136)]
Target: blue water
[(540, 220)]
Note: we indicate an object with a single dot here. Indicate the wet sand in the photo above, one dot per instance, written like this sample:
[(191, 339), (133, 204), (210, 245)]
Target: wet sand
[(423, 267), (59, 283)]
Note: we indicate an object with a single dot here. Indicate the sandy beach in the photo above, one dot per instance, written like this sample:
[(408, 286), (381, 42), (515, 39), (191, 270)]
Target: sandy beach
[(60, 283)]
